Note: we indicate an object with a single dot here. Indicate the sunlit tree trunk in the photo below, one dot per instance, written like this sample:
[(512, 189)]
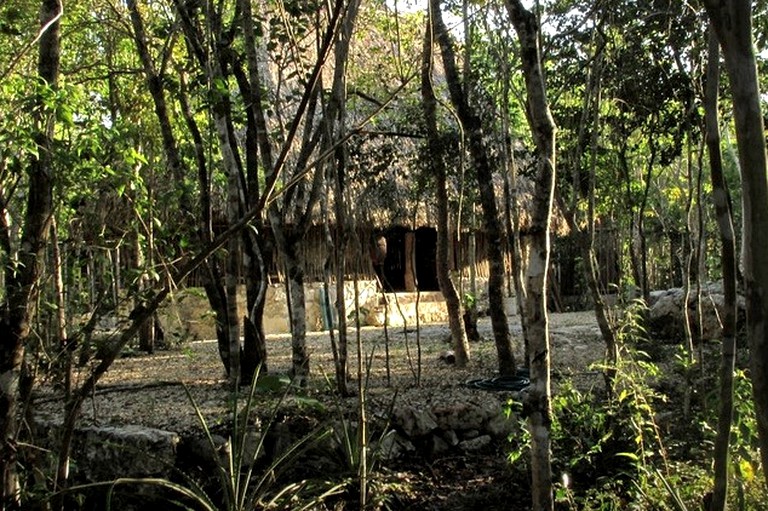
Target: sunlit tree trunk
[(538, 405), (62, 345), (512, 203), (732, 23), (22, 277), (437, 164), (477, 148), (724, 215), (297, 204)]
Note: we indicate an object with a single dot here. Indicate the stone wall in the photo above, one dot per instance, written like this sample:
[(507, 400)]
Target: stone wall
[(188, 316)]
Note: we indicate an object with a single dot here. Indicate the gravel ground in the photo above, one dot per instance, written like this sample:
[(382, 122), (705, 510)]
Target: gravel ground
[(148, 389)]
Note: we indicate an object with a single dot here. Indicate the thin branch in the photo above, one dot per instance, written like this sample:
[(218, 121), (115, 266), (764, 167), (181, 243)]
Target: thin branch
[(32, 43)]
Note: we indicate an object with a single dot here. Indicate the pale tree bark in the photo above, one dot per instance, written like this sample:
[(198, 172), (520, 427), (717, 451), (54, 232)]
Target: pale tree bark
[(63, 346), (543, 129), (23, 275), (143, 261), (724, 215), (735, 39), (335, 131), (732, 23), (477, 148), (232, 164), (214, 54), (437, 164), (297, 203), (212, 274)]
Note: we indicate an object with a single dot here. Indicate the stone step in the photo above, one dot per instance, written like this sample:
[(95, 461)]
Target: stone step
[(403, 297), (403, 313)]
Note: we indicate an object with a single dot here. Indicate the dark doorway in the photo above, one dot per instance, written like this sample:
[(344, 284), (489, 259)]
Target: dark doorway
[(426, 259), (393, 270)]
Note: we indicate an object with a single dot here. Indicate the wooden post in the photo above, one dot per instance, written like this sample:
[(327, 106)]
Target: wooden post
[(410, 262)]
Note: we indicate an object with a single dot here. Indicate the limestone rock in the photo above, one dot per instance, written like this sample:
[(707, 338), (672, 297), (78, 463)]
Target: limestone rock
[(476, 444), (393, 446), (438, 445), (451, 438), (415, 423), (468, 415), (666, 319), (501, 426), (106, 453)]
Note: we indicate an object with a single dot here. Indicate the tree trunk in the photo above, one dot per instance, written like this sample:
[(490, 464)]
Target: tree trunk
[(479, 151), (732, 22), (63, 346), (335, 131), (340, 262), (543, 129), (233, 251), (212, 274), (331, 130), (222, 120), (254, 345), (154, 81), (147, 330), (22, 278), (512, 207), (437, 164), (254, 356), (723, 211)]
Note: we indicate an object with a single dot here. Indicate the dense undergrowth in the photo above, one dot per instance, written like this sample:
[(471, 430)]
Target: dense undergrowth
[(640, 446)]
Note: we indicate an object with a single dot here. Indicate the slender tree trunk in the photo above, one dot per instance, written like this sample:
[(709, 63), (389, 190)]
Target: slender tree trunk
[(732, 22), (644, 283), (298, 315), (691, 281), (722, 203), (512, 205), (543, 129), (233, 262), (19, 308), (586, 237), (147, 331), (213, 278), (154, 81), (63, 347), (340, 261), (331, 130), (604, 320), (335, 131), (222, 118), (212, 274), (437, 163), (633, 250), (255, 247), (478, 150)]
